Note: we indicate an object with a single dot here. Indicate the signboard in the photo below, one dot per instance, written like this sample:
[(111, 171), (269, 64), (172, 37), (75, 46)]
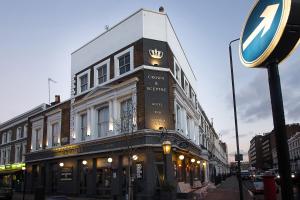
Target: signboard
[(139, 170), (156, 99), (237, 158), (66, 174), (155, 53), (270, 33)]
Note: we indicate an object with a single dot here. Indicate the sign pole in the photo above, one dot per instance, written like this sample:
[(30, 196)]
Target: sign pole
[(236, 123), (280, 132)]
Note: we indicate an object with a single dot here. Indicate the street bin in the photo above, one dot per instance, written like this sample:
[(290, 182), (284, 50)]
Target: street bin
[(269, 187)]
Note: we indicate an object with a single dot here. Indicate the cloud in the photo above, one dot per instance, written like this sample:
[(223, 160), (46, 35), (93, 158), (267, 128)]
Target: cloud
[(253, 100), (241, 152)]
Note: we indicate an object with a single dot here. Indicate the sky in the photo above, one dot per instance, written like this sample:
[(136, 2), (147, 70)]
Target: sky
[(38, 37)]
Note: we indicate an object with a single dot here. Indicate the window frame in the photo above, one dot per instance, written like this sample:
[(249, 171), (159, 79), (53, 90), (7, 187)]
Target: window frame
[(132, 115), (176, 64), (83, 137), (96, 74), (101, 135), (58, 134), (130, 50), (79, 76)]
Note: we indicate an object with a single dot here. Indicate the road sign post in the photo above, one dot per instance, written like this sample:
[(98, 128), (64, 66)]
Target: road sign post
[(271, 33), (280, 132)]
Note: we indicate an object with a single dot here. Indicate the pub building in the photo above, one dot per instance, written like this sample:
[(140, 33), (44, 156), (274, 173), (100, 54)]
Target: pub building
[(133, 123), (13, 134)]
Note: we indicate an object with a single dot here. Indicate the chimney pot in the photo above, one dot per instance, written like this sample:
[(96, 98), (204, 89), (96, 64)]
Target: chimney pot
[(161, 9), (57, 99)]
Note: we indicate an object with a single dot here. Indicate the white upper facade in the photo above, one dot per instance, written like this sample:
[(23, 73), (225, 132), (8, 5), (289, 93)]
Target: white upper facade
[(141, 24)]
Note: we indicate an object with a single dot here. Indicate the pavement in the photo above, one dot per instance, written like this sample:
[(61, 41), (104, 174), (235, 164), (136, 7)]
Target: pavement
[(228, 190)]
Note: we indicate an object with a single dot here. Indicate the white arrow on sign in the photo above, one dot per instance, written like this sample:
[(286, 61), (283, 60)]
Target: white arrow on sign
[(265, 24)]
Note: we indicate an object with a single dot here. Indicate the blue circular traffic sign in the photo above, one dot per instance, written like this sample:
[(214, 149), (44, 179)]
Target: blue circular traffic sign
[(263, 31)]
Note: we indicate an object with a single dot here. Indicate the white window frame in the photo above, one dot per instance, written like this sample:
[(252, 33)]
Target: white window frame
[(24, 144), (7, 155), (175, 72), (58, 134), (116, 61), (97, 119), (18, 158), (87, 72), (80, 126), (9, 135), (179, 118), (96, 67), (4, 135), (186, 88), (19, 133)]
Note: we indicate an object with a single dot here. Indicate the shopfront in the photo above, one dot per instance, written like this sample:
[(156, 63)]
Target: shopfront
[(12, 175), (80, 171)]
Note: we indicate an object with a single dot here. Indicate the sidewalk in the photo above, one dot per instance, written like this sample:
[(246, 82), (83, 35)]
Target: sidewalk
[(227, 190)]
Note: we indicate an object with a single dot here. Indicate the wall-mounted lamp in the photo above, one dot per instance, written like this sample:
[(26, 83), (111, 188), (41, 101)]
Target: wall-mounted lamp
[(84, 162), (181, 157), (61, 164)]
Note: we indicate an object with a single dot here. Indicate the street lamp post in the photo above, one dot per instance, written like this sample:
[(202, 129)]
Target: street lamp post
[(235, 121), (24, 182)]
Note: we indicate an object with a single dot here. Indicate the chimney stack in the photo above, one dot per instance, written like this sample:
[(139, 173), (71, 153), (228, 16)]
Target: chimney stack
[(57, 99)]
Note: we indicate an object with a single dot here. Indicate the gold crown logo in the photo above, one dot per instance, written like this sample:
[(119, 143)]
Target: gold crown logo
[(156, 54)]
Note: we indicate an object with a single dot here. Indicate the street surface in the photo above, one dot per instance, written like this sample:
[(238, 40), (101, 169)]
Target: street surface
[(227, 190)]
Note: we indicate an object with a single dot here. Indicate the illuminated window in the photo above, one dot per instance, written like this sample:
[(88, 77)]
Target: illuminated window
[(38, 138), (83, 126), (55, 134)]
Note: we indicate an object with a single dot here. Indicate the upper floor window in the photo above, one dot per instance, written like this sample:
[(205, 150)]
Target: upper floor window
[(4, 138), (188, 125), (7, 156), (178, 117), (23, 151), (38, 139), (55, 134), (19, 133), (177, 71), (18, 153), (83, 126), (126, 115), (84, 83), (102, 74), (124, 61), (193, 96), (2, 156), (186, 87), (103, 121)]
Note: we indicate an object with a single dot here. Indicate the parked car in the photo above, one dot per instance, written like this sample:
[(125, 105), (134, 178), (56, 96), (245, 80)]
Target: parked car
[(294, 175), (245, 175), (258, 185), (6, 193)]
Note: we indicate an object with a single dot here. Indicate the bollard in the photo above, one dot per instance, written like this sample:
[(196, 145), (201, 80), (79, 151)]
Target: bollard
[(269, 187)]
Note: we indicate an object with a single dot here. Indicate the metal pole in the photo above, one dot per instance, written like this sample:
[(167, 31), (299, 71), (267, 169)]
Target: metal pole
[(280, 132), (235, 122), (49, 90), (24, 186)]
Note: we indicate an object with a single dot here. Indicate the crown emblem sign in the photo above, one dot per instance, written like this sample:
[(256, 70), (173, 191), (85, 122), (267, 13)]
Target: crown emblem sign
[(156, 54)]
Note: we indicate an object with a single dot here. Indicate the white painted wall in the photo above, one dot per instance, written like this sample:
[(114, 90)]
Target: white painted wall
[(142, 24)]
